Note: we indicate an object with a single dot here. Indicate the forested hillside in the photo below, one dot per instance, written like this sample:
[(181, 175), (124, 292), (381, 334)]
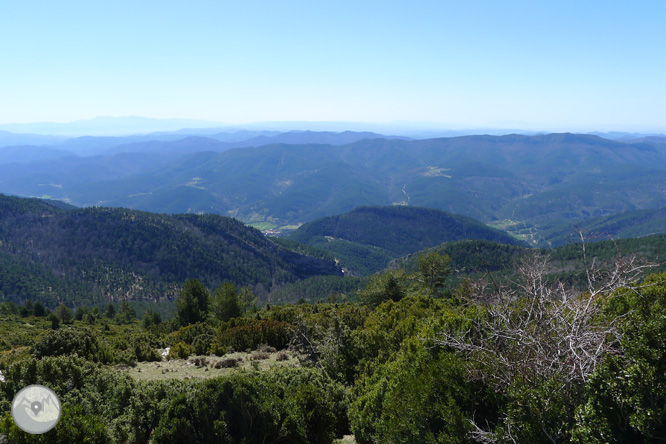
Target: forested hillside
[(472, 259), (367, 238), (632, 223), (101, 254)]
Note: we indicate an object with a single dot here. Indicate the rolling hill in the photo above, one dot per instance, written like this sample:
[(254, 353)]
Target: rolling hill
[(366, 239), (99, 254)]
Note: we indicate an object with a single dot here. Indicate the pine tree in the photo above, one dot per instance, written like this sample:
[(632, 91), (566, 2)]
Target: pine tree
[(192, 305), (226, 304)]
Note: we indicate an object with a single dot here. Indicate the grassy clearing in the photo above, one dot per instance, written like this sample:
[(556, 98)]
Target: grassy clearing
[(516, 229), (188, 368), (262, 225)]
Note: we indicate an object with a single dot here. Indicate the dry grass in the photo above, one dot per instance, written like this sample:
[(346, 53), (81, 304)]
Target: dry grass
[(204, 367)]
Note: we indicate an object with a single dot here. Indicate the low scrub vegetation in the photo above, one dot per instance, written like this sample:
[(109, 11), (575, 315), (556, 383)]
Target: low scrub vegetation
[(504, 358)]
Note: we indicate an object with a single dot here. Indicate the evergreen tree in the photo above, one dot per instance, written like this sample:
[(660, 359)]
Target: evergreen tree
[(384, 287), (27, 308), (110, 311), (64, 313), (247, 298), (434, 268), (192, 305), (38, 309), (126, 314), (80, 312), (55, 321), (226, 304)]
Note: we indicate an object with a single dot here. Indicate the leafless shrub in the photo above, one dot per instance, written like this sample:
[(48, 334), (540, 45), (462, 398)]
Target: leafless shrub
[(226, 363), (266, 348), (199, 362), (282, 356), (259, 356), (537, 328)]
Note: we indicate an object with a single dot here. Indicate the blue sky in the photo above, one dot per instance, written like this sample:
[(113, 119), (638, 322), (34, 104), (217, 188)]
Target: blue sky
[(559, 65)]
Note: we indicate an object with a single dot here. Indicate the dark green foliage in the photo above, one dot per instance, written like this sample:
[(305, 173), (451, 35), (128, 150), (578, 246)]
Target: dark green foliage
[(468, 256), (628, 392), (192, 305), (75, 427), (38, 309), (198, 336), (110, 311), (89, 344), (282, 406), (434, 268), (91, 255), (80, 312), (356, 258), (126, 313), (190, 333), (55, 321), (301, 248), (319, 288), (252, 334), (367, 238), (421, 397), (628, 224), (246, 298), (225, 303), (150, 318), (389, 286), (64, 313), (374, 370), (99, 405), (181, 350), (68, 341)]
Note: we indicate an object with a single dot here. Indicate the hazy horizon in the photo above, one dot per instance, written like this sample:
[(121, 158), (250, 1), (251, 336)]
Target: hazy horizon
[(591, 66), (135, 125)]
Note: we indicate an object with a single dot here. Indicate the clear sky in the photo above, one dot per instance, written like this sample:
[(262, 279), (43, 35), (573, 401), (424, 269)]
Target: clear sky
[(562, 65)]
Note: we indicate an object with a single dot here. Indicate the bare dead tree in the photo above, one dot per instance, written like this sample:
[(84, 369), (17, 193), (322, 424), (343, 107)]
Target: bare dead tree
[(538, 328)]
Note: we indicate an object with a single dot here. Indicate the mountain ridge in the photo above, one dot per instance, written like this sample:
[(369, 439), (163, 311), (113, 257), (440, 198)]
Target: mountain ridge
[(368, 237), (538, 181), (94, 255)]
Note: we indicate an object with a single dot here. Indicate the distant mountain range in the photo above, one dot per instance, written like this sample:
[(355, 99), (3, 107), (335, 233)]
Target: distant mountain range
[(529, 185), (10, 139), (18, 147), (106, 125), (97, 255)]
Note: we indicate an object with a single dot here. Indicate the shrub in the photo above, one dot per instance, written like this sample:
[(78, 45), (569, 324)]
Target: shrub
[(83, 343), (226, 363), (250, 336), (266, 349), (180, 350)]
